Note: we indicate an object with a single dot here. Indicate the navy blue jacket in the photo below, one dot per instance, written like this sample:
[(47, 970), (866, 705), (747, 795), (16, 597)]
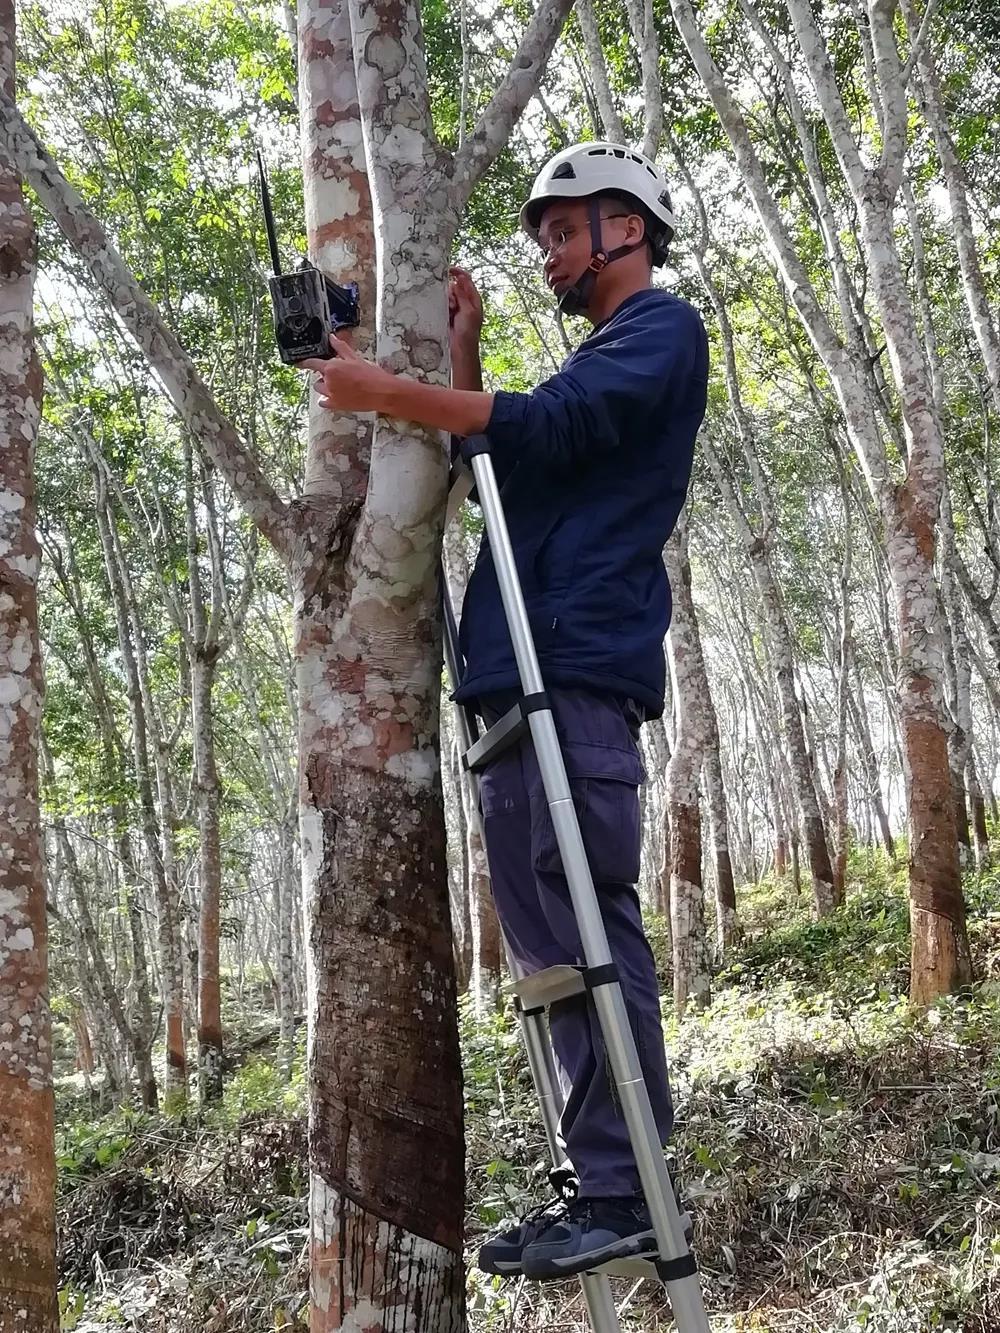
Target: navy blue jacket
[(593, 469)]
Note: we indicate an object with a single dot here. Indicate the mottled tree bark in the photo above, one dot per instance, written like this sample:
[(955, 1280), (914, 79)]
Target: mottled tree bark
[(27, 1130), (690, 682), (386, 1222), (362, 550)]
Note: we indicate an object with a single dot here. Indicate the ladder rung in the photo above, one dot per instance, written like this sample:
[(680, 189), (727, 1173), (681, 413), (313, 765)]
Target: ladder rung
[(638, 1267), (500, 736), (546, 987), (644, 1265)]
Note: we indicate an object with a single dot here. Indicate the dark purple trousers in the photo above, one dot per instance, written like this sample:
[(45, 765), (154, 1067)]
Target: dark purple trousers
[(605, 770)]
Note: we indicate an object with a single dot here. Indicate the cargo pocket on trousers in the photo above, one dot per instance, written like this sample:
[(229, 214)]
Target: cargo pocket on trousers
[(604, 782)]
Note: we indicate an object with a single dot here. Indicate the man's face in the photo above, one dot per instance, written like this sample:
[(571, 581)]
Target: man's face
[(564, 237)]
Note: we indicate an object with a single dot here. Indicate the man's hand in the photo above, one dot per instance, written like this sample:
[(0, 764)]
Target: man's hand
[(465, 311), (465, 324), (349, 383)]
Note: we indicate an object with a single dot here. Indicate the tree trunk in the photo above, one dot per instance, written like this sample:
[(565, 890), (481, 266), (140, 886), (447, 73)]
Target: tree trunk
[(725, 889), (869, 762), (690, 962), (287, 902), (782, 652), (487, 941), (27, 1130), (386, 1222), (175, 1085), (384, 1069), (207, 780), (940, 957)]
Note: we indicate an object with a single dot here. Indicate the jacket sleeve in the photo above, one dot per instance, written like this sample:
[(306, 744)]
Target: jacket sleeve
[(607, 391)]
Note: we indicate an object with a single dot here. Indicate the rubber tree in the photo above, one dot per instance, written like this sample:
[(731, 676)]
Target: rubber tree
[(907, 493), (361, 544), (27, 1113)]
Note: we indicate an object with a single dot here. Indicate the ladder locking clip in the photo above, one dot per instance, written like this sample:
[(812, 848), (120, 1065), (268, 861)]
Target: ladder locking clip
[(605, 975), (673, 1270), (474, 445)]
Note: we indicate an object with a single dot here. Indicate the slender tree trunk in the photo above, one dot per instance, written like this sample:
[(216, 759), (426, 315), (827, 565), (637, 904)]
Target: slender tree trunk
[(142, 1023), (782, 653), (207, 779), (869, 762), (460, 883), (610, 119), (27, 1130), (843, 691), (940, 955), (287, 900), (690, 951), (175, 1085), (110, 999), (487, 941)]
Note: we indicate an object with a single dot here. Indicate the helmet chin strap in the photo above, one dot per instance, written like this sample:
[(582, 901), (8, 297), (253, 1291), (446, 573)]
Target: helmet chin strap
[(575, 300)]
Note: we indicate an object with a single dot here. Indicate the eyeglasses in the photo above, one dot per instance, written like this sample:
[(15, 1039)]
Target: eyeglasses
[(563, 235)]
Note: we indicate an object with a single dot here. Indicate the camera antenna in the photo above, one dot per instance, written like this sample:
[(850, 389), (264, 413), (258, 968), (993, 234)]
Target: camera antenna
[(265, 199)]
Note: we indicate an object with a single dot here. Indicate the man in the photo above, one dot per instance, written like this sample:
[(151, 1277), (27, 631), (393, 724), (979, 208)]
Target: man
[(593, 468)]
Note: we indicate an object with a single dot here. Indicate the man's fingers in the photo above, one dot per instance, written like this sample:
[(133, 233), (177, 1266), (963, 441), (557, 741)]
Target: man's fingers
[(342, 348), (313, 363)]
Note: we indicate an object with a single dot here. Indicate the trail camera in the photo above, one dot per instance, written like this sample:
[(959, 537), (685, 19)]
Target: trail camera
[(307, 304)]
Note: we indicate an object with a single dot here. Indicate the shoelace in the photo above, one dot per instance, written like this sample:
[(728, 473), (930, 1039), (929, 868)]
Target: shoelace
[(555, 1207), (581, 1210)]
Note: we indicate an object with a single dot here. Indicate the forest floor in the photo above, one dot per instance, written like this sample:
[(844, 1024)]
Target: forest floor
[(840, 1154)]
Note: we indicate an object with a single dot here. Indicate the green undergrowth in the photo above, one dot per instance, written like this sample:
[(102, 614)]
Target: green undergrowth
[(840, 1153)]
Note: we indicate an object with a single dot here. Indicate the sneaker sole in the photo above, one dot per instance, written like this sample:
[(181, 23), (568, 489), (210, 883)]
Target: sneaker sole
[(633, 1247)]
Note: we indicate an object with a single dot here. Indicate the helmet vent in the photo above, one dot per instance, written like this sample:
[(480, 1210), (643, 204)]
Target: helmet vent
[(563, 172)]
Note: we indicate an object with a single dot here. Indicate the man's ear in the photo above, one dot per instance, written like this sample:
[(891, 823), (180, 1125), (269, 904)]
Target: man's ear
[(635, 232)]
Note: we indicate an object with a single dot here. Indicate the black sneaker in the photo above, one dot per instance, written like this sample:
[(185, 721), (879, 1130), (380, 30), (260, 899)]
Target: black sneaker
[(593, 1232), (502, 1254)]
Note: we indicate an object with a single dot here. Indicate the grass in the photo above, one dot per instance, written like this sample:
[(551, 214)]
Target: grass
[(841, 1154)]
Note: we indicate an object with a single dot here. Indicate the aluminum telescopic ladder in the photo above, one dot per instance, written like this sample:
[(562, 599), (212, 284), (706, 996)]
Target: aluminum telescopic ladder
[(674, 1265)]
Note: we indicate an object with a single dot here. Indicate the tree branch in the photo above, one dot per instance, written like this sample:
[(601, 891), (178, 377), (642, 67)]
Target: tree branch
[(919, 42), (508, 102), (607, 110), (640, 13), (185, 387)]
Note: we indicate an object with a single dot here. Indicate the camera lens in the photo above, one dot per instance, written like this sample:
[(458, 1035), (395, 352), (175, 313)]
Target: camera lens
[(295, 304)]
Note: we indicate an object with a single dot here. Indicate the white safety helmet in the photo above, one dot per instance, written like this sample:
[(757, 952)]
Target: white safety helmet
[(588, 169)]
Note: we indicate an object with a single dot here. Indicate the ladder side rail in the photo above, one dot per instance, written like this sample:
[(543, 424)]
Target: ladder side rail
[(677, 1273), (596, 1287)]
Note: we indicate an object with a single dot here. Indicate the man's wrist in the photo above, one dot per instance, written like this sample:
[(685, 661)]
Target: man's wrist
[(458, 411), (466, 366)]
